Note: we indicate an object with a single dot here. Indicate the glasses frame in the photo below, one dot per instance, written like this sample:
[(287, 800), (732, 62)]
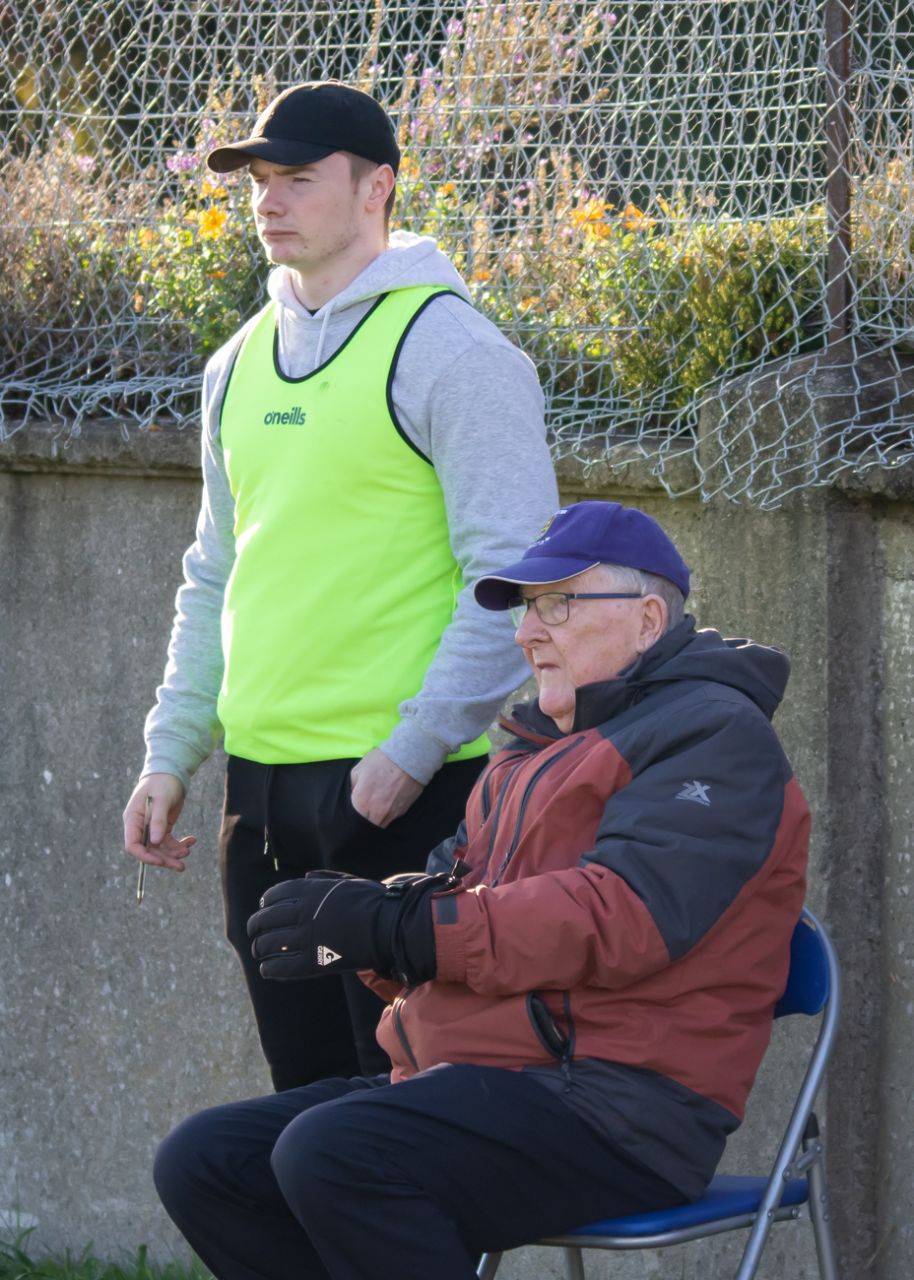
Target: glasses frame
[(519, 606)]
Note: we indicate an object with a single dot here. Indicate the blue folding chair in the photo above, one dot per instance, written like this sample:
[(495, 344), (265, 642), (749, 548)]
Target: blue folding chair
[(798, 1176)]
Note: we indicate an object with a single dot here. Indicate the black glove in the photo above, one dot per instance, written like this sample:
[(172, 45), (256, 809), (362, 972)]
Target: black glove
[(330, 921)]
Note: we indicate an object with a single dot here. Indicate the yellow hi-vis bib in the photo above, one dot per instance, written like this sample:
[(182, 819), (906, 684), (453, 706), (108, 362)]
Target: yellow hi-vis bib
[(344, 577)]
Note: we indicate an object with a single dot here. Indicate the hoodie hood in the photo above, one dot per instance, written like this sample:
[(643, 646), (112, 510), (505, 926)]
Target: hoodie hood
[(408, 261), (758, 671)]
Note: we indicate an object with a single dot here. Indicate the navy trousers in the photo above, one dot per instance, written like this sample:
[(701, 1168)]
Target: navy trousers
[(363, 1180)]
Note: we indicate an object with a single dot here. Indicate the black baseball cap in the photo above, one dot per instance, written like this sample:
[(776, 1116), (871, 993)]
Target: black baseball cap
[(310, 121)]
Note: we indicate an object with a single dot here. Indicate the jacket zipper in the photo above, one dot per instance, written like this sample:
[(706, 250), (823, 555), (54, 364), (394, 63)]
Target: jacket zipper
[(528, 790), (572, 1037), (494, 828), (487, 789)]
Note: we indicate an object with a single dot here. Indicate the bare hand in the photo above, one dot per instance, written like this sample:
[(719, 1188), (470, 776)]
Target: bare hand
[(162, 849), (381, 790)]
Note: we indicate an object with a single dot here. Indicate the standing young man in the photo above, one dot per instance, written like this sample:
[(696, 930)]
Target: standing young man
[(371, 444)]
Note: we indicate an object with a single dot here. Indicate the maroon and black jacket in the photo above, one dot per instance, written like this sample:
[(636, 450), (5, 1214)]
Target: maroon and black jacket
[(632, 884)]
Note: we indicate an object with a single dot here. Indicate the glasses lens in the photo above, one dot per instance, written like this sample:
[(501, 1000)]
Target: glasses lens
[(552, 608), (518, 610)]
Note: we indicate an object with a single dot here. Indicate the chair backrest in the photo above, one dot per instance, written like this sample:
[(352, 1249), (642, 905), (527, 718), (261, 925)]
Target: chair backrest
[(809, 979), (813, 986)]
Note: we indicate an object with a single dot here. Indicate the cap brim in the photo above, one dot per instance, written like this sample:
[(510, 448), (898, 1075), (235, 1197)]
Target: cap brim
[(273, 150), (496, 590)]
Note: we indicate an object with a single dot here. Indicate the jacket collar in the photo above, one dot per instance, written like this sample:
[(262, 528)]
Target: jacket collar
[(599, 702), (596, 703)]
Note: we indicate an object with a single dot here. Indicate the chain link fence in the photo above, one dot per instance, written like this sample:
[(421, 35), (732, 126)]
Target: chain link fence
[(650, 196)]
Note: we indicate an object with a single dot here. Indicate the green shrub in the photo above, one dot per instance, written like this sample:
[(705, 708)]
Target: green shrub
[(196, 267), (622, 308)]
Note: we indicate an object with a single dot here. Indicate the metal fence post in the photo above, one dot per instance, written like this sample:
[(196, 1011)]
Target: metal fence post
[(837, 188)]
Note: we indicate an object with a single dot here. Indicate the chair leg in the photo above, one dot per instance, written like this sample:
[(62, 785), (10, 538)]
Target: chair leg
[(488, 1265), (574, 1263), (821, 1218)]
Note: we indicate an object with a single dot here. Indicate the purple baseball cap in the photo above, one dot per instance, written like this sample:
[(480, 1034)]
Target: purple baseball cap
[(580, 537)]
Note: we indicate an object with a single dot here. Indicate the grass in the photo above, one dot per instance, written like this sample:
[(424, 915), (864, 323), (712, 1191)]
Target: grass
[(18, 1263)]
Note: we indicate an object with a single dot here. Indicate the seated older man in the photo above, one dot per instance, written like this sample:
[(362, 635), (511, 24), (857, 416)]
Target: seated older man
[(580, 991)]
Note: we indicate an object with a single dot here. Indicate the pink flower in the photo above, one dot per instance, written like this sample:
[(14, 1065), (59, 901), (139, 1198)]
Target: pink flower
[(181, 162), (85, 164), (455, 27)]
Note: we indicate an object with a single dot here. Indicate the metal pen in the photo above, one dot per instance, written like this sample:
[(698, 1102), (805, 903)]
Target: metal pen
[(141, 874)]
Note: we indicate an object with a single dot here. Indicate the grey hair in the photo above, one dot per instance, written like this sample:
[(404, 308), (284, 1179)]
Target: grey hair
[(650, 584)]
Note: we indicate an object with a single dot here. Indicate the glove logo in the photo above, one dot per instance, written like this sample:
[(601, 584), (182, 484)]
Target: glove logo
[(326, 956)]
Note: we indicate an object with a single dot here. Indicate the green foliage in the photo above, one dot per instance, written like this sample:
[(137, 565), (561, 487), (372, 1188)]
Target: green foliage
[(616, 305), (59, 262), (97, 285), (196, 267), (882, 233), (690, 299), (638, 309), (650, 310), (18, 1263)]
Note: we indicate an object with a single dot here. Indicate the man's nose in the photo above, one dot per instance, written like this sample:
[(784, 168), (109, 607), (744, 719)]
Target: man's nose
[(266, 197), (531, 628)]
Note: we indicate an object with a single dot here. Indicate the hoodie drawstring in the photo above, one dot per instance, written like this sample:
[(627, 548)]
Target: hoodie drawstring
[(319, 349)]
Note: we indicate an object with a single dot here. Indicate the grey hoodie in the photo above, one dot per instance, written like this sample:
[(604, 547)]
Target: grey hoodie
[(470, 401)]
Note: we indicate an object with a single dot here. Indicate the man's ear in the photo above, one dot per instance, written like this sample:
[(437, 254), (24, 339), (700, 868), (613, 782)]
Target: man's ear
[(653, 622), (382, 183)]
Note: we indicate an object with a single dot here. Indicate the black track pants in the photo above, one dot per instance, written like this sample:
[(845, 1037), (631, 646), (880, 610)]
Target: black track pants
[(323, 1026), (363, 1180)]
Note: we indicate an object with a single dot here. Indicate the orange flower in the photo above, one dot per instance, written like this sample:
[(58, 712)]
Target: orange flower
[(591, 218), (634, 220), (211, 223), (481, 274), (448, 189)]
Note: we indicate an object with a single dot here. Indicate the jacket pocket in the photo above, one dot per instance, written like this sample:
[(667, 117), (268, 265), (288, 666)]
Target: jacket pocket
[(401, 1030), (547, 1030)]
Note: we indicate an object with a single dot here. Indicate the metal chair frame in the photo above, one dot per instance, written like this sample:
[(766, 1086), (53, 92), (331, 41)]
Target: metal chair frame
[(796, 1185)]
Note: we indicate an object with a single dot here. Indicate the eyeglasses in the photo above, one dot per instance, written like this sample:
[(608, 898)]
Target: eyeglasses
[(552, 607)]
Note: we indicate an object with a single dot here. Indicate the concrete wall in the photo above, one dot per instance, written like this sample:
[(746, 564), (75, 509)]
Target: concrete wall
[(118, 1020)]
